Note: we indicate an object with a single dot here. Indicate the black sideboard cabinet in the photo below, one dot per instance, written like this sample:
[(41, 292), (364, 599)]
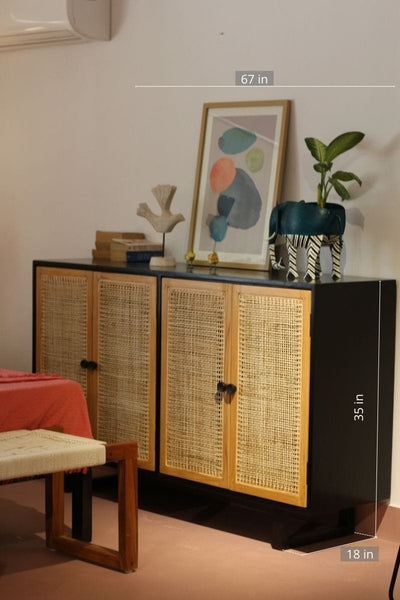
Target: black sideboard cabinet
[(306, 430)]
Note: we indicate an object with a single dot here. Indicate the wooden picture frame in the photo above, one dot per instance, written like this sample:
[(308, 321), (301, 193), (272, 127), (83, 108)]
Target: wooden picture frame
[(238, 181)]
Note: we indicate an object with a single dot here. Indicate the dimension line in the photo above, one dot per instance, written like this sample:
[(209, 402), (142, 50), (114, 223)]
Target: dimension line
[(392, 86), (378, 406)]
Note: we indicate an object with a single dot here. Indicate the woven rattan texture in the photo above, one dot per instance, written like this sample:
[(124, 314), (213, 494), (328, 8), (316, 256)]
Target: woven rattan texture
[(26, 453), (269, 392), (196, 339), (63, 326), (124, 362)]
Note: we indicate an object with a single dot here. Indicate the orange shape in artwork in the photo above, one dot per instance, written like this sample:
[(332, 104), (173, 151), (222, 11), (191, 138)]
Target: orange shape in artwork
[(222, 174)]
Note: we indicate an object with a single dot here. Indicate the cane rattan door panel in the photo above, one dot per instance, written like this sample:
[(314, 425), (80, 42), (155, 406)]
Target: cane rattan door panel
[(194, 432), (271, 365), (109, 320), (63, 322), (125, 350)]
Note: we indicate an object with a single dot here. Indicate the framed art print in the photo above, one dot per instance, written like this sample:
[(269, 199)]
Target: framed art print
[(238, 180)]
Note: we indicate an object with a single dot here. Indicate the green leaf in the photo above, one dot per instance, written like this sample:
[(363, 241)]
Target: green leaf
[(322, 167), (342, 143), (317, 148), (346, 176), (340, 189)]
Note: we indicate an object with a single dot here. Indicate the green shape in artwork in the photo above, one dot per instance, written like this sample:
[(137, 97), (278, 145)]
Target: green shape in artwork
[(255, 160)]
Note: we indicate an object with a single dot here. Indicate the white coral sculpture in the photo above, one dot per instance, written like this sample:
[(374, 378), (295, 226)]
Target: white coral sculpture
[(166, 221)]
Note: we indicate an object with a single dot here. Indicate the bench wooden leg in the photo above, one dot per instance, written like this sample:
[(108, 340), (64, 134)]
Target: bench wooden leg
[(126, 557), (394, 575)]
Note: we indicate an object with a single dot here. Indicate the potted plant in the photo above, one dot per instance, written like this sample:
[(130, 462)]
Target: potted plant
[(325, 156), (311, 224)]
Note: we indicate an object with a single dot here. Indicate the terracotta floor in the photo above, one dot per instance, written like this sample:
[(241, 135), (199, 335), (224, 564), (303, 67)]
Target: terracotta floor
[(177, 560)]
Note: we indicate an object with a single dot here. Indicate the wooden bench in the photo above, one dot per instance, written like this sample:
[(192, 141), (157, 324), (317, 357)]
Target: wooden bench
[(26, 453)]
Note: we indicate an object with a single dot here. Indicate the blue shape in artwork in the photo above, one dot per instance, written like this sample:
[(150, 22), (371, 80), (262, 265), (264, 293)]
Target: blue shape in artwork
[(244, 200), (218, 228), (236, 140), (225, 204)]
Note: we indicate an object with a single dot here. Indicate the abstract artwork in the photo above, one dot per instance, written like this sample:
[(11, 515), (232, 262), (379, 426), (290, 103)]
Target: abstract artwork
[(238, 179)]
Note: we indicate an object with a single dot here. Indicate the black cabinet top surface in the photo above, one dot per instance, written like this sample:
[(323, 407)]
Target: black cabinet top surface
[(241, 276)]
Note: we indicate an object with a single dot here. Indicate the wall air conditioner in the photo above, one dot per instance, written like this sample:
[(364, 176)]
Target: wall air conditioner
[(27, 23)]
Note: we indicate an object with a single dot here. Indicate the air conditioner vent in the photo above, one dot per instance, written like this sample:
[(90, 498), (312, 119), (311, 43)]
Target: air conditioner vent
[(28, 23)]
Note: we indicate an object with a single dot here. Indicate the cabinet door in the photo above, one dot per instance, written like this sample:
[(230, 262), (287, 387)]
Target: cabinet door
[(63, 322), (194, 431), (125, 327), (271, 362)]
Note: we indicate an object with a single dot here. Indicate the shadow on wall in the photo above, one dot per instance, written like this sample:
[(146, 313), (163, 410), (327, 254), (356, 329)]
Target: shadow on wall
[(354, 216), (118, 13), (386, 155), (291, 175)]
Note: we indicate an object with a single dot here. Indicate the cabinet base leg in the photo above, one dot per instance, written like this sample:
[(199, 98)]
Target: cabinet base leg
[(294, 532), (80, 484)]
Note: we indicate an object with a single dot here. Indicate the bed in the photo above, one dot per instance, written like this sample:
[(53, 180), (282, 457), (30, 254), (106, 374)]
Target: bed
[(40, 401)]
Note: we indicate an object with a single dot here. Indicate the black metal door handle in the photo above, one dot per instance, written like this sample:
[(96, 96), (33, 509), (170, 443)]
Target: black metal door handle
[(222, 387), (90, 365), (231, 389)]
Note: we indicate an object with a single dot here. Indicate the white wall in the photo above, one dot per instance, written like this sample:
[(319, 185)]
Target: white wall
[(80, 146)]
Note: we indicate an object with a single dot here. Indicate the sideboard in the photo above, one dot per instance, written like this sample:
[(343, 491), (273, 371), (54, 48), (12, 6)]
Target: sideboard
[(234, 379)]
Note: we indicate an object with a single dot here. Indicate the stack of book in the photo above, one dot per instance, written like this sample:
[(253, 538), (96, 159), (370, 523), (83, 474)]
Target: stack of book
[(104, 238), (134, 250)]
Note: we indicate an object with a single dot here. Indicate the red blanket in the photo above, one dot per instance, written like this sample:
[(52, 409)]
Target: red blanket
[(34, 401)]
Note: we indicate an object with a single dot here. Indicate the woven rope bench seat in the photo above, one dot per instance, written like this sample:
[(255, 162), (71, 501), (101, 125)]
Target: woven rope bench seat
[(26, 453)]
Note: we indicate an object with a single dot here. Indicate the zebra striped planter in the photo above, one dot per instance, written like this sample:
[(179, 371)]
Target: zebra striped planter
[(307, 225)]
